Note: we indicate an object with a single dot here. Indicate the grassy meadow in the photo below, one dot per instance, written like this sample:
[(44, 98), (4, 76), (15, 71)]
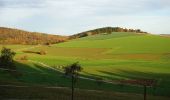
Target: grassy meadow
[(64, 94), (115, 56)]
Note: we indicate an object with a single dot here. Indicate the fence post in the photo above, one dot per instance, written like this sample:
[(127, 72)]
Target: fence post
[(72, 93), (144, 92)]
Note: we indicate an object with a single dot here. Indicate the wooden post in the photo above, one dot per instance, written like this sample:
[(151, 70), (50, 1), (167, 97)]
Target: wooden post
[(144, 92), (72, 93)]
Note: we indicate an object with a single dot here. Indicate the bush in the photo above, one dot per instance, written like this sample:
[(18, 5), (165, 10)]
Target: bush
[(6, 59), (42, 52)]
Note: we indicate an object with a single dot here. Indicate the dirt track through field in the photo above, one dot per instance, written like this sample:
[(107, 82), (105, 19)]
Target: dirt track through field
[(45, 65), (81, 77)]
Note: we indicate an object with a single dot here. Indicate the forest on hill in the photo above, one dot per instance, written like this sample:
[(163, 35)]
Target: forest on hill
[(16, 36), (106, 30)]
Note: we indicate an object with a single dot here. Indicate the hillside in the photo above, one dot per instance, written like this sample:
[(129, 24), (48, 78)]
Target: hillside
[(165, 35), (112, 57), (105, 30), (16, 36), (122, 42)]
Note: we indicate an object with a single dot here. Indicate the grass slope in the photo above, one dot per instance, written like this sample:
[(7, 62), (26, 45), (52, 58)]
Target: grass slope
[(65, 94), (123, 44), (114, 57)]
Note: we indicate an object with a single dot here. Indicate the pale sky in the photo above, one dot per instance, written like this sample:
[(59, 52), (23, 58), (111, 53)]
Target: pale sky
[(66, 17)]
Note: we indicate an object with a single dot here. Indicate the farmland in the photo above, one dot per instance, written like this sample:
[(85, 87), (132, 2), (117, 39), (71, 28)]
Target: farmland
[(115, 56)]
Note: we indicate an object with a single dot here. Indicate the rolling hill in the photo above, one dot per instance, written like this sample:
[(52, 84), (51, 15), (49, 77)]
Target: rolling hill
[(16, 36), (122, 42), (109, 56), (105, 30)]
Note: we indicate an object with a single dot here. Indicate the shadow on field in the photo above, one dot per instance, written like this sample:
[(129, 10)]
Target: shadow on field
[(162, 86), (41, 75), (37, 75), (37, 93)]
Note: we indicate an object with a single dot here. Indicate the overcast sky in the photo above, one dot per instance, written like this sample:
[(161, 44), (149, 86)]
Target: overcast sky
[(67, 17)]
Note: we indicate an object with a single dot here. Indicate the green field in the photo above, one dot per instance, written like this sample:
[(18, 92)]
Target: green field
[(113, 57), (33, 93)]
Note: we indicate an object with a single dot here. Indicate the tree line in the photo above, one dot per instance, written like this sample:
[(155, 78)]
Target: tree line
[(106, 30)]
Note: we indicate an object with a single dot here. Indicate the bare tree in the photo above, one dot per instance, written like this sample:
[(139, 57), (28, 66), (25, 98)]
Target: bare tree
[(73, 71)]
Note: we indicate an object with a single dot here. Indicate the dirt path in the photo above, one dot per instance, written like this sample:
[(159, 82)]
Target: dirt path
[(47, 66)]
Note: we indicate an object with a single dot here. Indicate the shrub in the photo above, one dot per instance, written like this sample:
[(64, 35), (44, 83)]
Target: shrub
[(6, 59), (42, 52)]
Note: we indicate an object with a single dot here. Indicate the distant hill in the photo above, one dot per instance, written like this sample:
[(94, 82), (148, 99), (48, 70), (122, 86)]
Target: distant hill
[(122, 43), (105, 30), (16, 36), (165, 35)]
